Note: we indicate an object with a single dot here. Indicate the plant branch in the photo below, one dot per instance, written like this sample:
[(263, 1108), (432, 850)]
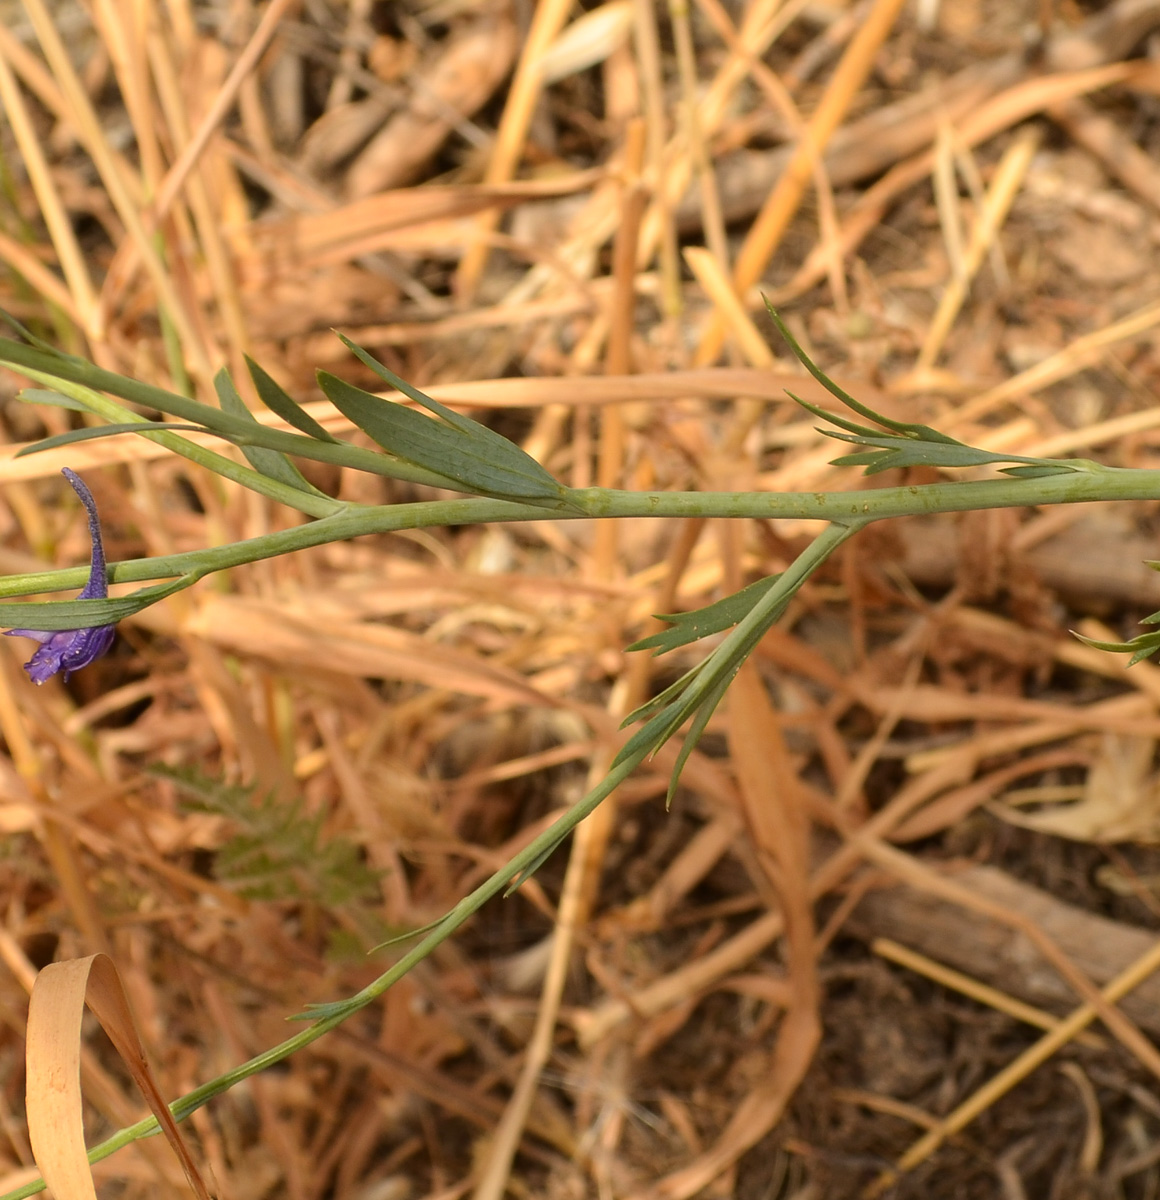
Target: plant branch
[(843, 508)]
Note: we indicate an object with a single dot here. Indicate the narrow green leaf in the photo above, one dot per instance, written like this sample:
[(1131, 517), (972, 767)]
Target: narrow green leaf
[(33, 340), (897, 452), (103, 431), (506, 456), (1140, 648), (468, 463), (84, 614), (279, 401), (1039, 472), (523, 876), (270, 463), (905, 428), (53, 399), (707, 709), (644, 741), (399, 938), (663, 699), (832, 418)]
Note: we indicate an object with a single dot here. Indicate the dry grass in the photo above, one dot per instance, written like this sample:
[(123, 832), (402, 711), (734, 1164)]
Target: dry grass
[(956, 206)]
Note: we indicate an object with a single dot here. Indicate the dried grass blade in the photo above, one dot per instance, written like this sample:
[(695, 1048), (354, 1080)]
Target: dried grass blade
[(547, 21), (1081, 353), (1016, 104), (92, 134), (83, 306), (771, 223), (999, 1085), (1000, 196), (54, 1107)]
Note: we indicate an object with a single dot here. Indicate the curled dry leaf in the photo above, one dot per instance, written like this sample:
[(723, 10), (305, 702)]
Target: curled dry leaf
[(53, 1060), (1120, 800), (590, 39)]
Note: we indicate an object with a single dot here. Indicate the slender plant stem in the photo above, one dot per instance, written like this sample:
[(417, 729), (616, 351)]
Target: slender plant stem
[(843, 513), (855, 507)]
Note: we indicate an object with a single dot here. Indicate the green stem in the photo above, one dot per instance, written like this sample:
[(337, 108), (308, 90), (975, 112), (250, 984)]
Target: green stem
[(843, 508)]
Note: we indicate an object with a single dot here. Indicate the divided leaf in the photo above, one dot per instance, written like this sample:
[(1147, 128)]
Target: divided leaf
[(897, 452), (695, 696), (279, 851), (1139, 648), (688, 627), (904, 443)]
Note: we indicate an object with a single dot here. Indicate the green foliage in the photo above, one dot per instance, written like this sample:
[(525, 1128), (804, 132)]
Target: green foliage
[(77, 614), (899, 444), (445, 450), (471, 456), (689, 627), (1141, 647), (695, 696), (271, 463), (279, 852)]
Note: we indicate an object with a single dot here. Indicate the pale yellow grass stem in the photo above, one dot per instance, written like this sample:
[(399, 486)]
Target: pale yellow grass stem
[(772, 221), (1000, 196), (83, 305)]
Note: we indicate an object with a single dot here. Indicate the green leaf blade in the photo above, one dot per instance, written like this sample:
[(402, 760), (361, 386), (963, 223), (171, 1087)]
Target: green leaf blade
[(271, 463), (490, 466), (281, 403), (505, 454), (52, 615), (91, 433), (689, 627)]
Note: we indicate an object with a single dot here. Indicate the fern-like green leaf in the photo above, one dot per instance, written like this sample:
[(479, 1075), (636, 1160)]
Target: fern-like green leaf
[(279, 851)]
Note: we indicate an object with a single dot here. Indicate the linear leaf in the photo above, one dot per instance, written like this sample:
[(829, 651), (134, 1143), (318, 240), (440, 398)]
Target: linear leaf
[(269, 462), (700, 623), (696, 729), (101, 431), (889, 451), (1139, 648), (51, 398), (906, 428), (279, 401), (85, 614), (1040, 471)]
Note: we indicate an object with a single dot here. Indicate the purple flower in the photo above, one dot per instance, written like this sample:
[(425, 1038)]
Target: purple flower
[(68, 650)]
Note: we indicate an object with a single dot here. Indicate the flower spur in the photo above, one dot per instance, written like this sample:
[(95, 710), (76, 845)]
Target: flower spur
[(68, 650)]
